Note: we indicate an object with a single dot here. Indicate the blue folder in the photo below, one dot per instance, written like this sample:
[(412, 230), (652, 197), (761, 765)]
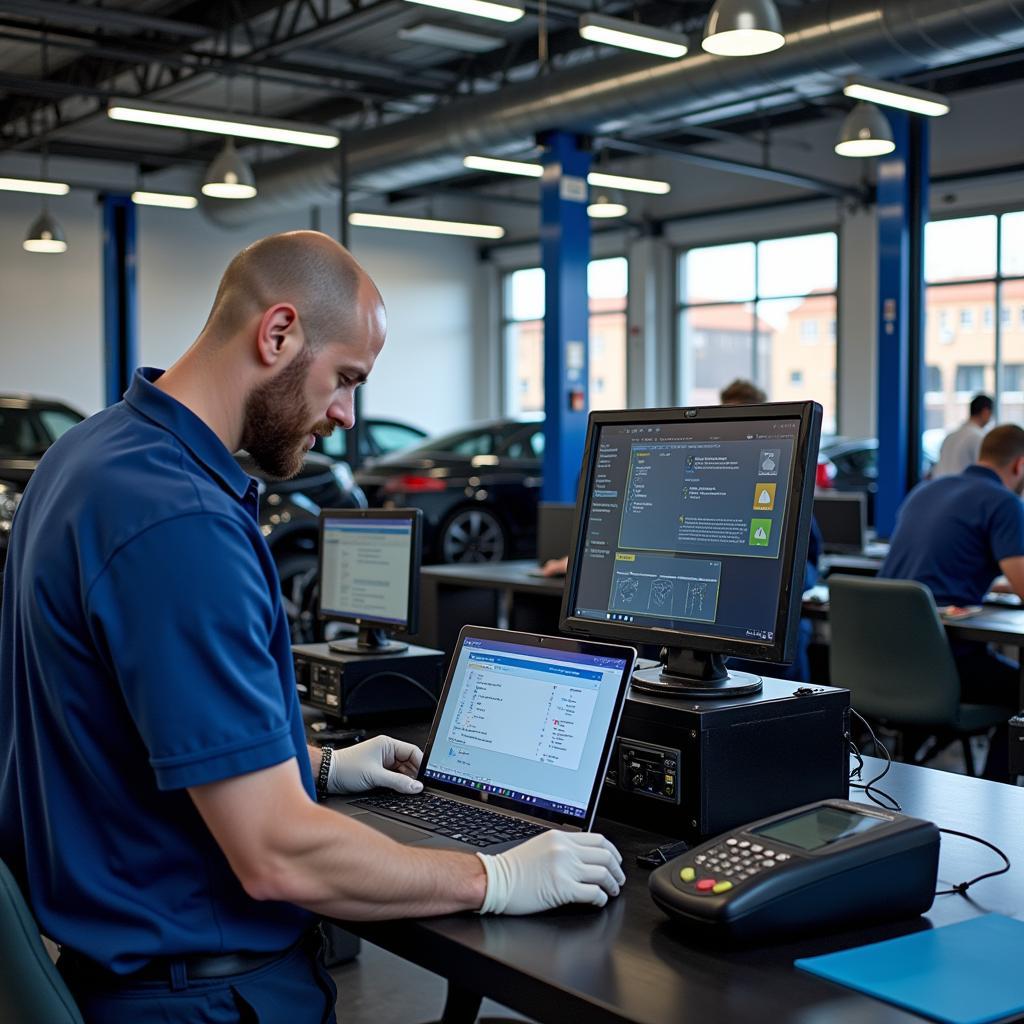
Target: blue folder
[(966, 973)]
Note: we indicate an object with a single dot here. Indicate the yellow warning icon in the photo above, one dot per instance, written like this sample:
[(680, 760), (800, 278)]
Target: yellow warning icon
[(764, 497)]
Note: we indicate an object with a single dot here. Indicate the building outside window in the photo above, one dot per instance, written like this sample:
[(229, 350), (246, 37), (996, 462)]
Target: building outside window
[(523, 336), (763, 310), (973, 267)]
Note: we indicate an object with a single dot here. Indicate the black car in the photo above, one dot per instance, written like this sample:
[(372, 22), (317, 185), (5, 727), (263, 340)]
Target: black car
[(377, 437), (289, 509), (478, 489)]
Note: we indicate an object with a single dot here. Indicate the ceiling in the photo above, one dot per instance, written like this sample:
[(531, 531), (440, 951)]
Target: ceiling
[(357, 65)]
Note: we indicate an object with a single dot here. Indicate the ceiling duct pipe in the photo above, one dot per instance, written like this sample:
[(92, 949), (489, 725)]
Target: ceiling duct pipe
[(825, 43)]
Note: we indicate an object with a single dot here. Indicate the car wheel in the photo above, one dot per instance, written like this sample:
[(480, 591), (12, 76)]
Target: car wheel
[(298, 593), (473, 535)]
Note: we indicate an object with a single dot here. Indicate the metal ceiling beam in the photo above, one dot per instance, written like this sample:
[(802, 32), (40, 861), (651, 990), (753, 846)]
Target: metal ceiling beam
[(62, 12), (718, 163)]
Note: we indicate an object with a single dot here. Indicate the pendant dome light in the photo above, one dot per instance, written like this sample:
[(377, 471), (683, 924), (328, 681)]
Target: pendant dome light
[(45, 234), (229, 176), (604, 208), (865, 132), (743, 28)]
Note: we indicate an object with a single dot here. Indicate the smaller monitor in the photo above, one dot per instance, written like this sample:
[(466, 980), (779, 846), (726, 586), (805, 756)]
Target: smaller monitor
[(842, 519), (369, 575), (554, 530)]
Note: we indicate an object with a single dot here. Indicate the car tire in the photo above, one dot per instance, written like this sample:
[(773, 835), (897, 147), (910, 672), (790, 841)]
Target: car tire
[(472, 534), (298, 574)]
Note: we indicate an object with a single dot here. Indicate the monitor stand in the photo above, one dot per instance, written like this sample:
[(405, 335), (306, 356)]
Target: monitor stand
[(688, 673), (371, 640)]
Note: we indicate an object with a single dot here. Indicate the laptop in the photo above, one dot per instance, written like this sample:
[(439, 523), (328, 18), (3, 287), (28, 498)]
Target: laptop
[(842, 519), (520, 744)]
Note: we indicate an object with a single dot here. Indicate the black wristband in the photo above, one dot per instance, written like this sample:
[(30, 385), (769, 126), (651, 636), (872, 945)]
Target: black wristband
[(325, 772)]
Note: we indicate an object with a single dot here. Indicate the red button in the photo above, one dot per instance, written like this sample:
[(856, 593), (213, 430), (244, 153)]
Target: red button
[(705, 884)]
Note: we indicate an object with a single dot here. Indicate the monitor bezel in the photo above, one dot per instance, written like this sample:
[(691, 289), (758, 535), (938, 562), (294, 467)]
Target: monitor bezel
[(787, 617), (412, 515), (597, 649)]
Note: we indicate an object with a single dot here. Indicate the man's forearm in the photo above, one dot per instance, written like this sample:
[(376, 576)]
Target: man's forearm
[(315, 753)]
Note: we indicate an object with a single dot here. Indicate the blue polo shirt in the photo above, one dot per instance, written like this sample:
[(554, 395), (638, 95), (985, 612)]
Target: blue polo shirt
[(952, 533), (143, 649)]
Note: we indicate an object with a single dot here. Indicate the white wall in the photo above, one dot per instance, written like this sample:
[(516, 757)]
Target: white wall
[(52, 305)]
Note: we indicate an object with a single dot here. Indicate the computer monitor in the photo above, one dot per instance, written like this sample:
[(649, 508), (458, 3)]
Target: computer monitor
[(369, 575), (554, 529), (691, 533), (843, 521)]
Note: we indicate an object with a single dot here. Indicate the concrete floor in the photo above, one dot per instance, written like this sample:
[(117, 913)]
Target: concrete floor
[(378, 988)]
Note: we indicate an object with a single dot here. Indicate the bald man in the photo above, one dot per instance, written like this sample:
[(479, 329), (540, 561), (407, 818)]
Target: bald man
[(158, 804)]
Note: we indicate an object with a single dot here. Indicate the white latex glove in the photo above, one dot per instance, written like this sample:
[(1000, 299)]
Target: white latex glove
[(381, 761), (550, 870)]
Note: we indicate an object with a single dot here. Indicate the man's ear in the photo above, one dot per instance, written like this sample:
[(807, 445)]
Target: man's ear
[(279, 334)]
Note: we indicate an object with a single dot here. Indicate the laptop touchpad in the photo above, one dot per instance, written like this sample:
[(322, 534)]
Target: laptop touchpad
[(394, 829)]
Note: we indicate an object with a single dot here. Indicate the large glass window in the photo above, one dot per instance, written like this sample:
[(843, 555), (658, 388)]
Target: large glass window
[(523, 330), (762, 310), (974, 267)]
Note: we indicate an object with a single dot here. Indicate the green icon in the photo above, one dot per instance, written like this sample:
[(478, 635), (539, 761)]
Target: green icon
[(760, 532)]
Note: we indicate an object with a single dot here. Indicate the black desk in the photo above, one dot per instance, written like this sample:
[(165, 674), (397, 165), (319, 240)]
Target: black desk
[(993, 625), (626, 963)]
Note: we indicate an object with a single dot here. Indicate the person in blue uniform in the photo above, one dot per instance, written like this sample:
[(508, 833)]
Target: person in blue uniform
[(955, 535), (158, 802)]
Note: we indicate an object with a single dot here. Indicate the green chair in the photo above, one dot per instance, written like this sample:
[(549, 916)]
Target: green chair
[(31, 989), (890, 650)]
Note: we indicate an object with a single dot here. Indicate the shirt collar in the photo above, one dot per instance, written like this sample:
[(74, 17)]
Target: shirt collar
[(167, 412), (983, 471)]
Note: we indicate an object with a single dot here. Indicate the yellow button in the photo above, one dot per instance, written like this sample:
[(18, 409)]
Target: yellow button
[(687, 874), (722, 887)]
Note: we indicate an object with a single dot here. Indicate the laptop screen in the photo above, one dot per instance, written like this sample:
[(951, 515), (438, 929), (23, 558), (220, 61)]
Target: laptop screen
[(524, 724)]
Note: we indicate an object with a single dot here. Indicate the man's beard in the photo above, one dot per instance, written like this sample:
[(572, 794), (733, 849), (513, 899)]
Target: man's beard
[(277, 421)]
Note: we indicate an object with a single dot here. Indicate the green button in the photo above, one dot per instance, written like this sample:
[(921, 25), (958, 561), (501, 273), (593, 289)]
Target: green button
[(722, 887), (687, 874)]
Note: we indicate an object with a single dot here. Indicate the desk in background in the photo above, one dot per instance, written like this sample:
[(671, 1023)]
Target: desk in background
[(627, 964)]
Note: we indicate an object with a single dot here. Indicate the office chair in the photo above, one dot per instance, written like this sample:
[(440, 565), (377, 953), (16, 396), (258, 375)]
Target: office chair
[(890, 650), (31, 989)]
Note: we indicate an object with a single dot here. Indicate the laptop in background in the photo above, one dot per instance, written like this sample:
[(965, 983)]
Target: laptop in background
[(520, 743), (842, 519), (554, 532)]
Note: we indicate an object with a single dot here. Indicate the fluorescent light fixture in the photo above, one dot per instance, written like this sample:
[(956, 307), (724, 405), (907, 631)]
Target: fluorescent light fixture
[(454, 38), (651, 187), (45, 235), (743, 28), (488, 163), (434, 227), (865, 132), (42, 188), (165, 199), (602, 207), (632, 35), (229, 176), (168, 115), (510, 11), (528, 170), (903, 97)]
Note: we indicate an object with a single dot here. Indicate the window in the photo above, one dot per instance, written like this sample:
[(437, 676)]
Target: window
[(523, 336), (974, 266), (56, 422), (933, 379), (753, 310)]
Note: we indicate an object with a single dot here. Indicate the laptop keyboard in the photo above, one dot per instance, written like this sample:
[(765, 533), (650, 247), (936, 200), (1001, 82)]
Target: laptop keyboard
[(471, 825)]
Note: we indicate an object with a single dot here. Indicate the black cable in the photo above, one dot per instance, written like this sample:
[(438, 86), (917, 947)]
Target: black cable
[(962, 887), (869, 787)]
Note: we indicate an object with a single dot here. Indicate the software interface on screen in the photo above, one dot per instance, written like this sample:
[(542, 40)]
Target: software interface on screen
[(365, 569), (526, 724), (683, 526)]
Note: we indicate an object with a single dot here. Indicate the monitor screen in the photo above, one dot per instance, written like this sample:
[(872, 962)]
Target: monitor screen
[(527, 725), (690, 523), (369, 559), (842, 520)]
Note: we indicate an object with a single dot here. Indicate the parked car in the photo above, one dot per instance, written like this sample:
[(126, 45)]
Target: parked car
[(377, 437), (478, 489), (289, 509)]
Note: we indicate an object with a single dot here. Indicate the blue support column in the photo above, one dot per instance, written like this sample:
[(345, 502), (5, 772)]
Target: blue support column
[(902, 213), (565, 255), (120, 312)]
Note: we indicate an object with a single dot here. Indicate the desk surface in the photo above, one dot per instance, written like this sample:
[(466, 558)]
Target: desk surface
[(626, 963), (515, 575)]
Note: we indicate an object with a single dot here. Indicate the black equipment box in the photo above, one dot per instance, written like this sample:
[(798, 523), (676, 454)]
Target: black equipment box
[(345, 686), (693, 767)]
